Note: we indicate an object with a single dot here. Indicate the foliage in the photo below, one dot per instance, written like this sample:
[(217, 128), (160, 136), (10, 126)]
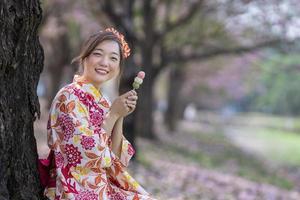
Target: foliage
[(279, 92)]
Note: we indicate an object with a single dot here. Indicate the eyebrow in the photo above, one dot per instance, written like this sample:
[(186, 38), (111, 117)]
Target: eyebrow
[(111, 53)]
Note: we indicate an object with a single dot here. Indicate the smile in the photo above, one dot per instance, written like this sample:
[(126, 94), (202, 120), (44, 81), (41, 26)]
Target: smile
[(101, 71)]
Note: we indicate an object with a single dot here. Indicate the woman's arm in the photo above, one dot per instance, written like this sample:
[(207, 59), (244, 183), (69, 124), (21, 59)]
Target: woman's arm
[(117, 135), (113, 123), (109, 122)]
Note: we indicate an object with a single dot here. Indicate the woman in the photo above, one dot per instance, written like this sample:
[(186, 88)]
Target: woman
[(85, 131)]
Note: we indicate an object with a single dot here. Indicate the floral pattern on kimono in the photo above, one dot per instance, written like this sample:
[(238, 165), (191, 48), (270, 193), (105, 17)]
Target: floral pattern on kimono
[(84, 166)]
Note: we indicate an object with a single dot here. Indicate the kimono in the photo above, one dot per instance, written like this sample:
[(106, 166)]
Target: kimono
[(83, 165)]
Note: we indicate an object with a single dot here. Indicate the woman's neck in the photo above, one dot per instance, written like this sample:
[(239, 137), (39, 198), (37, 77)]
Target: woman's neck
[(87, 80)]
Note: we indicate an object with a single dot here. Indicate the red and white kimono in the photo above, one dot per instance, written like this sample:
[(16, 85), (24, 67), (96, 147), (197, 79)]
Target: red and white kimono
[(84, 166)]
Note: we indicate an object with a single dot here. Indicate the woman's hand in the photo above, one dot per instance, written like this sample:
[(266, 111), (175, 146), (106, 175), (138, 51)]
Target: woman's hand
[(124, 104)]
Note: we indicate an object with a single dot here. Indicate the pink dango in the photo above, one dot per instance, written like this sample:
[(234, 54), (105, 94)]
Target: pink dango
[(141, 74), (138, 80)]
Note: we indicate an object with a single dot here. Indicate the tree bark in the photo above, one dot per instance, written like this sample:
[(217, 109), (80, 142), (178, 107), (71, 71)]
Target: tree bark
[(21, 62), (144, 119), (174, 98)]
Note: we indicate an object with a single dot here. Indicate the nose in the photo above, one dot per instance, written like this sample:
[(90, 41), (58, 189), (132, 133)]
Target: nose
[(104, 61)]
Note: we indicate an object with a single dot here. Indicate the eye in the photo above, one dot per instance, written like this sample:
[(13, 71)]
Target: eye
[(97, 53), (114, 58)]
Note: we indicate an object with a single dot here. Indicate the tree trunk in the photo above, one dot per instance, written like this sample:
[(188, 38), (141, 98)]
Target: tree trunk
[(144, 119), (21, 62), (174, 98), (59, 59)]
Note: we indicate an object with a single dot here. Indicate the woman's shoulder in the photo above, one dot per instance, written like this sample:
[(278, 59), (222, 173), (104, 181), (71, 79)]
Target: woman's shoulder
[(66, 91)]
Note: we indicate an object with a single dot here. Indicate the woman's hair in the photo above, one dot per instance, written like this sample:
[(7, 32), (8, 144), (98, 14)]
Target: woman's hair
[(92, 42)]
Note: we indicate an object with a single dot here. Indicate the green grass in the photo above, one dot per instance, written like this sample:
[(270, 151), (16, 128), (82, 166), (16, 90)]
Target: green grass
[(282, 147), (268, 121), (216, 152)]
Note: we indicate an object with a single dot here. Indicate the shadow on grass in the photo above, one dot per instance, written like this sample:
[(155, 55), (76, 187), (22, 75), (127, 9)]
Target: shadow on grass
[(215, 151)]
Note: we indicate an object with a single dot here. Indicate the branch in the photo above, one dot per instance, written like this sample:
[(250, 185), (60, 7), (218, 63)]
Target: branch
[(177, 56), (130, 6), (184, 19), (170, 26), (116, 18), (121, 21)]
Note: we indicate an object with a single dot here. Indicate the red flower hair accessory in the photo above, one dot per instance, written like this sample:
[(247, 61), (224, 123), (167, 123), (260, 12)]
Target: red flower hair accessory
[(125, 47)]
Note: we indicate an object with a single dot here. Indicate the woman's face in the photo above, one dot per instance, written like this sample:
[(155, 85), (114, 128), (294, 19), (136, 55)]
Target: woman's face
[(103, 63)]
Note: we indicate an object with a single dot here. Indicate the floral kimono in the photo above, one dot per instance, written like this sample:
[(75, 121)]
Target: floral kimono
[(84, 166)]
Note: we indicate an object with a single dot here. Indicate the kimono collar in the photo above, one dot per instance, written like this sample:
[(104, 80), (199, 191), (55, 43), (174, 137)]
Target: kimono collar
[(87, 87)]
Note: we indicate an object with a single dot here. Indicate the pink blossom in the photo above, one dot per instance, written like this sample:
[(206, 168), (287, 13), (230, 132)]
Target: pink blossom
[(96, 118), (87, 142), (67, 126), (73, 155), (117, 196), (130, 150), (86, 195), (59, 159)]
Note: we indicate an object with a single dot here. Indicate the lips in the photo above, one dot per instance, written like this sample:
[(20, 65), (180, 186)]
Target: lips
[(101, 71)]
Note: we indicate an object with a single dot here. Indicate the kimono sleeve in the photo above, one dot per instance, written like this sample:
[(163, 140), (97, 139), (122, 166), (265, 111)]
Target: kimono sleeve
[(127, 151)]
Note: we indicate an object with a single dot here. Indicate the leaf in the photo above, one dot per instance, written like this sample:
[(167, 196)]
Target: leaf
[(101, 192), (86, 131), (91, 155), (62, 108), (95, 92), (76, 139), (90, 164), (101, 148), (84, 181), (92, 186), (62, 148), (126, 186), (96, 169), (62, 98), (60, 135), (98, 163), (70, 106), (57, 105), (136, 197), (56, 124), (104, 103), (98, 180), (117, 171), (80, 108)]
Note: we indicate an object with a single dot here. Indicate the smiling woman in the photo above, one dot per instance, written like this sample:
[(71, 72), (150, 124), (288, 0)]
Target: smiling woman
[(104, 60), (89, 153)]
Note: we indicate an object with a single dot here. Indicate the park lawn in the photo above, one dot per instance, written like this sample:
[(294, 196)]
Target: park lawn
[(268, 121), (279, 146), (214, 151)]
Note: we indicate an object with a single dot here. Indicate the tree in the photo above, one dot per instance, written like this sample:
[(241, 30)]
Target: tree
[(21, 62), (147, 41), (57, 48), (148, 25), (278, 90)]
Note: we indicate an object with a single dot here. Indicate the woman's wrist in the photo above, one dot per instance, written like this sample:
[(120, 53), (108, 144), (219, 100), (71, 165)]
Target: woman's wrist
[(113, 116)]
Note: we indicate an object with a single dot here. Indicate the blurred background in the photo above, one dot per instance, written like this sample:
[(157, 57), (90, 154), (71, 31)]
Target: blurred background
[(219, 109)]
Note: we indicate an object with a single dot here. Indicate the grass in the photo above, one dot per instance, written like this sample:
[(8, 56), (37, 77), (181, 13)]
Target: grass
[(268, 121), (281, 147), (216, 152)]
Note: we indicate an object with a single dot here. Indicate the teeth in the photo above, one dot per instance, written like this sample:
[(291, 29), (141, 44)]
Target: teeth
[(101, 71)]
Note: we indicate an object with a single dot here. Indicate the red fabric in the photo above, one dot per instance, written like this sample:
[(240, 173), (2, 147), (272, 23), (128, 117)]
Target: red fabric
[(44, 167)]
